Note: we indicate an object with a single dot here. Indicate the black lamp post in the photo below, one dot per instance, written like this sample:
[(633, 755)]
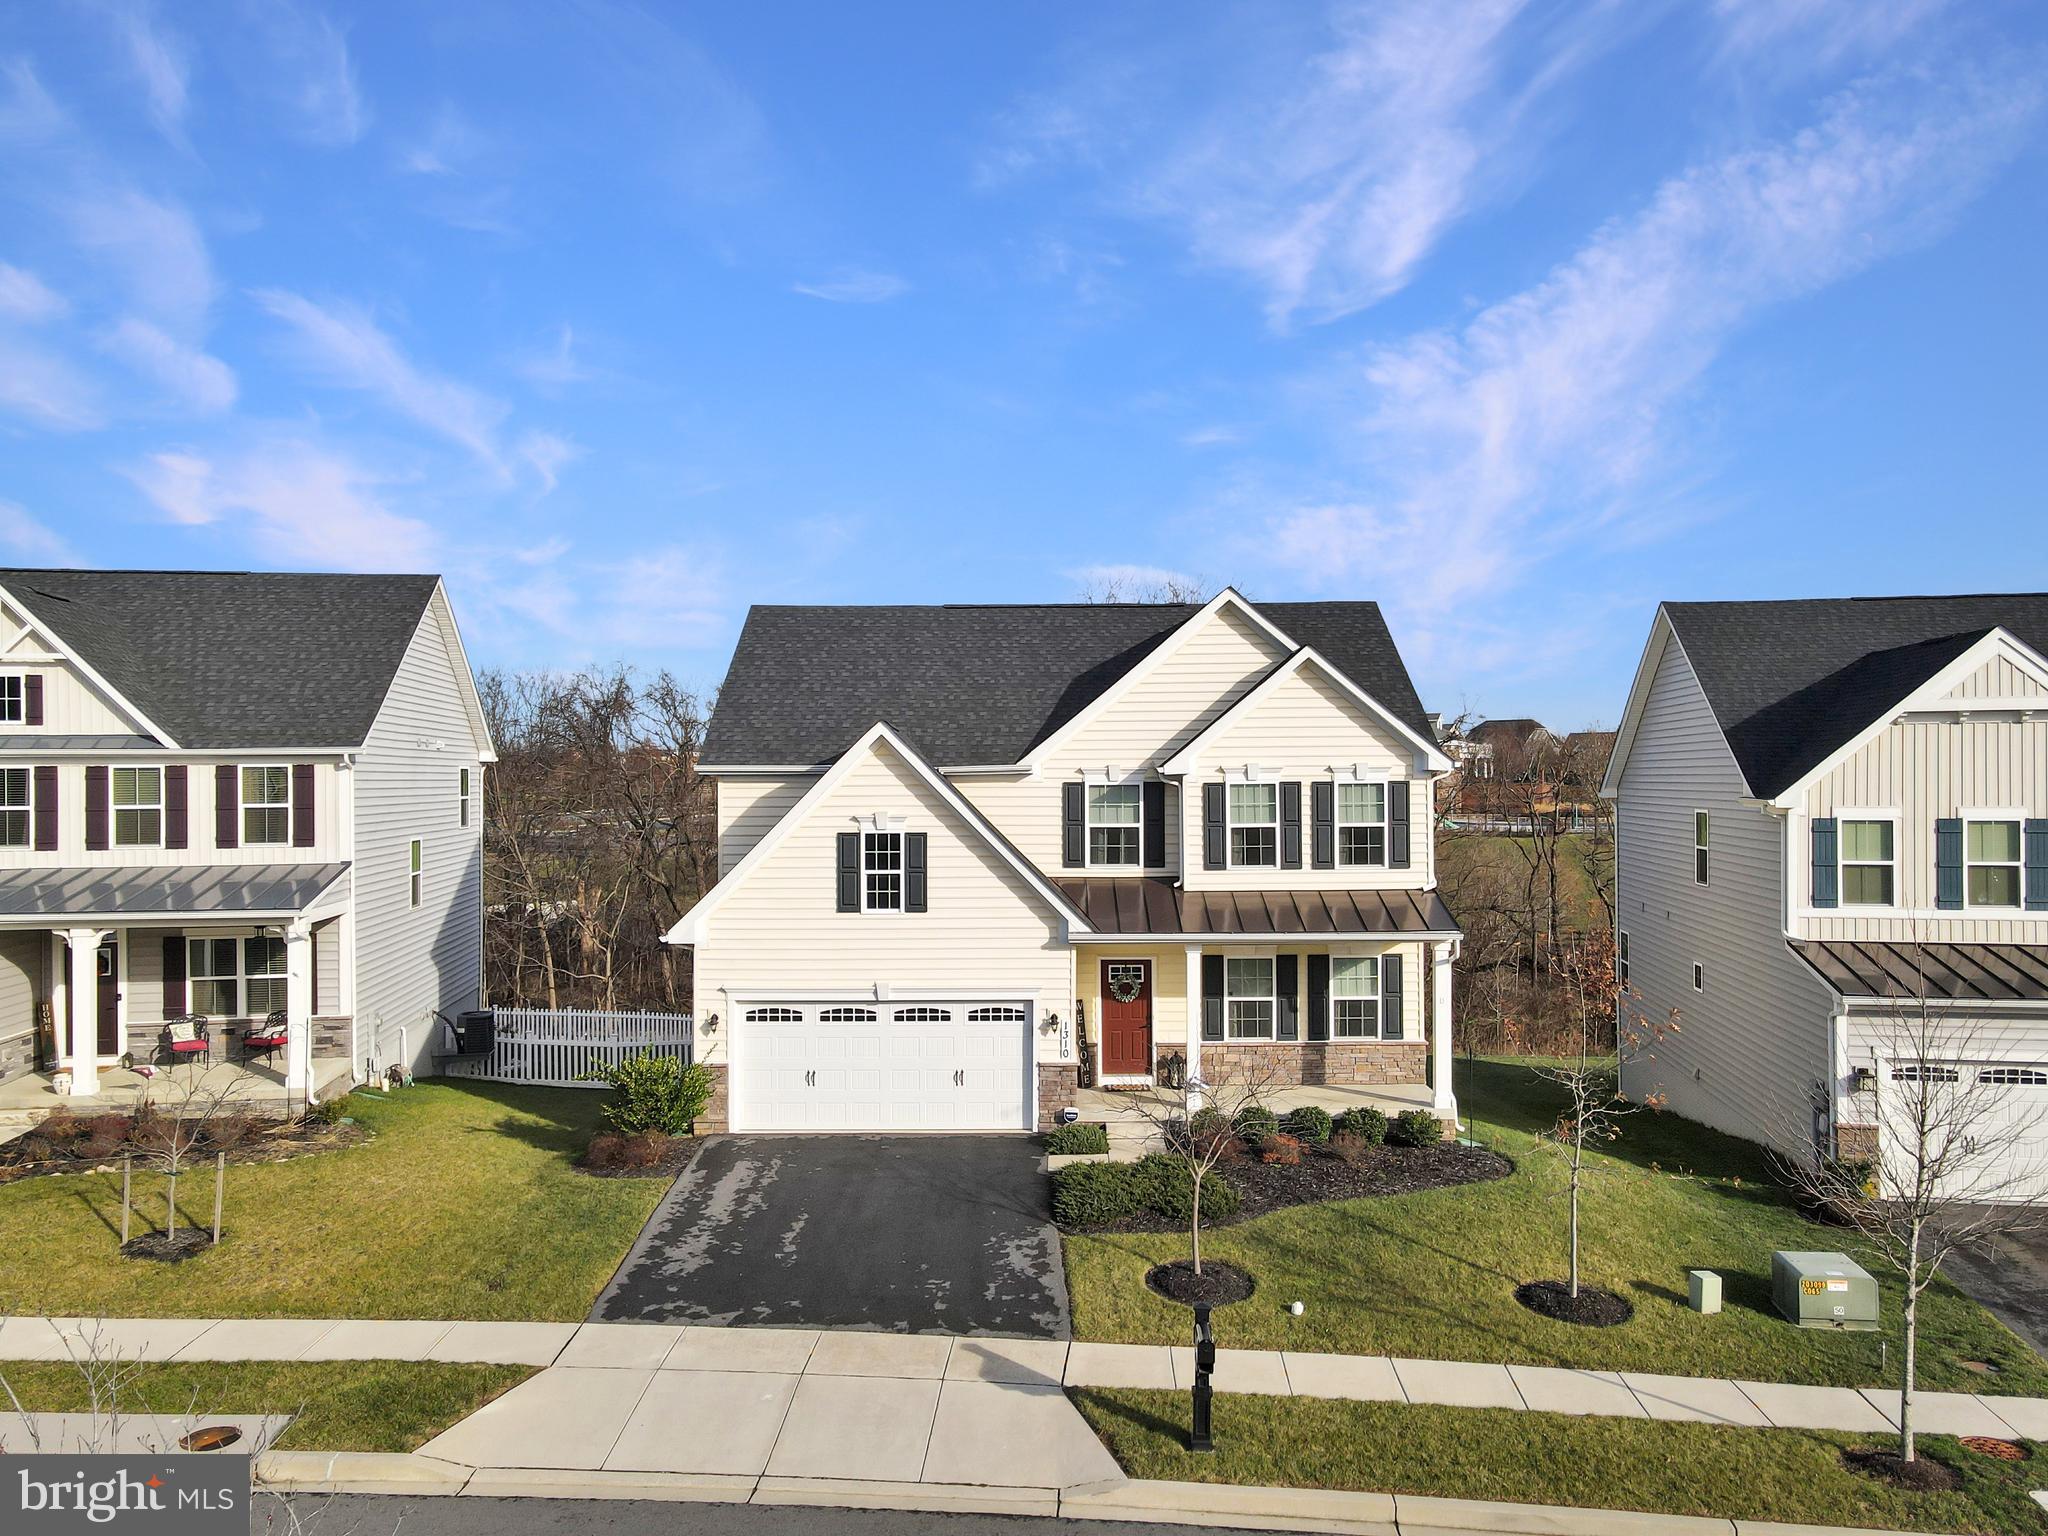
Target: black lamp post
[(1205, 1363)]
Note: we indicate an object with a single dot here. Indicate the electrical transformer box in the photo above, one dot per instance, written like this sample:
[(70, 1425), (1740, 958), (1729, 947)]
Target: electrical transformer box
[(1824, 1290)]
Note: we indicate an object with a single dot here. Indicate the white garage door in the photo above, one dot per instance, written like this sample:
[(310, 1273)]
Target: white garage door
[(1998, 1112), (911, 1066)]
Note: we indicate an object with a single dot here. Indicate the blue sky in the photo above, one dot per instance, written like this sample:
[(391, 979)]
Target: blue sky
[(1514, 317)]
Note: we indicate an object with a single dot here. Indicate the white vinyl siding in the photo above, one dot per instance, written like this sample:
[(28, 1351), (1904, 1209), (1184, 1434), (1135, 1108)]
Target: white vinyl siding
[(24, 981), (747, 808), (73, 705), (329, 821)]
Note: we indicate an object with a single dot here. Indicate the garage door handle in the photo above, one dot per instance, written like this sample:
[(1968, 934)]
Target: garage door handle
[(810, 1079), (959, 1079)]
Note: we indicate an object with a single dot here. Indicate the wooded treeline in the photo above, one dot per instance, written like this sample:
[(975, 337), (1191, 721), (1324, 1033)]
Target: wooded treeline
[(598, 834)]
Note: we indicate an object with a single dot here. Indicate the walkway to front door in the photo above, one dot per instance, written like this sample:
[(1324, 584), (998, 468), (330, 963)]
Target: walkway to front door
[(1127, 1018)]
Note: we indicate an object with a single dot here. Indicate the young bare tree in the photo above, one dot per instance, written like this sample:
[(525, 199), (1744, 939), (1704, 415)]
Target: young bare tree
[(1198, 1125), (187, 1112), (1140, 586), (1955, 1163)]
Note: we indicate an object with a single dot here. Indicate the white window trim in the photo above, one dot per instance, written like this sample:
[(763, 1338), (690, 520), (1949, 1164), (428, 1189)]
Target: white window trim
[(243, 806), (240, 976), (1088, 822), (1699, 976), (1337, 822), (28, 805), (1378, 996), (2000, 813), (416, 879), (1231, 823), (1270, 997), (1843, 861), (1702, 843), (462, 785), (20, 715), (114, 808), (875, 827)]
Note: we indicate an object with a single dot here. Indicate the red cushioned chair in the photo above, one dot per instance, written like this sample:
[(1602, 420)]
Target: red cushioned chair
[(187, 1037), (269, 1037)]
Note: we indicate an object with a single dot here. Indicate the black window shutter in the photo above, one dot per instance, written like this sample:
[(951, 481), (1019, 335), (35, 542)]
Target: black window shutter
[(302, 805), (176, 801), (913, 871), (1212, 997), (174, 975), (227, 813), (2037, 866), (1827, 867), (1290, 825), (1948, 863), (1073, 829), (1397, 824), (1319, 997), (32, 699), (46, 806), (1287, 994), (849, 871), (96, 806), (1154, 834), (1213, 833), (1390, 997), (1322, 805)]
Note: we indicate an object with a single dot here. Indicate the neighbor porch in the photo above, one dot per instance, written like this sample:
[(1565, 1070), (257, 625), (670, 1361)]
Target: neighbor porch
[(252, 1086)]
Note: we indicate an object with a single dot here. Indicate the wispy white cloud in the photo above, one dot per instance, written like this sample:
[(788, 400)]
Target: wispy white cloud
[(555, 368), (46, 389), (1490, 447), (154, 246), (196, 380), (27, 298), (672, 596), (1804, 33), (851, 285), (449, 146), (156, 57), (25, 538), (29, 115), (1218, 436), (308, 71), (547, 454)]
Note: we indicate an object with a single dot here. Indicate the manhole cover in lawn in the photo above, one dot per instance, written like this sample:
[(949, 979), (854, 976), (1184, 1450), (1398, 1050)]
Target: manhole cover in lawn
[(1996, 1449)]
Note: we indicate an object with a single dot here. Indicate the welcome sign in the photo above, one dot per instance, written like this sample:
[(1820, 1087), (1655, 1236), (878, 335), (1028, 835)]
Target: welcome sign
[(144, 1495)]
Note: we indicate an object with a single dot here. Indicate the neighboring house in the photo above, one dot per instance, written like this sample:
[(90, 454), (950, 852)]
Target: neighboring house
[(230, 793), (956, 841), (1826, 809)]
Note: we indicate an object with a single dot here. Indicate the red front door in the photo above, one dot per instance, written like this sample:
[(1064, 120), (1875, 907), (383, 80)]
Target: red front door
[(1127, 1018)]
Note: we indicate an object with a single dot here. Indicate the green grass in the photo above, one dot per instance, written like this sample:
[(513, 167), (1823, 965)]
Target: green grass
[(343, 1405), (1546, 1458), (463, 1204), (1433, 1275)]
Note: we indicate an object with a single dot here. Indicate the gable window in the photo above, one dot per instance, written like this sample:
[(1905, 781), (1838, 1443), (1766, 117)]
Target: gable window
[(416, 878), (1248, 998), (1699, 847), (1355, 998), (1991, 860), (1361, 823), (11, 709), (1113, 824), (266, 805), (462, 797), (1255, 824), (138, 807), (1869, 871), (14, 807), (881, 871)]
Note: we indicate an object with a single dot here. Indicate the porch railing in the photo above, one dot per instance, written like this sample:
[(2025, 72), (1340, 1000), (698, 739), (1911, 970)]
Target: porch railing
[(558, 1047)]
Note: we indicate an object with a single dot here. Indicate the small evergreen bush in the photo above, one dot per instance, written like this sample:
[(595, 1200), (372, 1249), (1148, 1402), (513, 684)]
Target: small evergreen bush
[(1256, 1123), (1076, 1139), (1415, 1128), (1308, 1124), (653, 1093), (1366, 1123), (1094, 1194), (1166, 1185)]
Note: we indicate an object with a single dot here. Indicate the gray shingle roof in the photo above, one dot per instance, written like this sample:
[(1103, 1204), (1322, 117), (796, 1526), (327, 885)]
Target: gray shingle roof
[(974, 684), (1790, 682), (233, 659)]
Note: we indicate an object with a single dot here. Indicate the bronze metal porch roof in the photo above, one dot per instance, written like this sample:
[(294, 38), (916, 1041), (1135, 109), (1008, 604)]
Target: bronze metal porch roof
[(1156, 905), (1988, 973)]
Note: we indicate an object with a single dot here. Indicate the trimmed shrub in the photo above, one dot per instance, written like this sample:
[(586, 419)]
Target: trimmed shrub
[(1352, 1149), (1415, 1128), (1308, 1124), (1366, 1123), (1281, 1149), (1073, 1140), (610, 1150), (653, 1093), (1166, 1185), (1094, 1194), (1256, 1123), (329, 1111)]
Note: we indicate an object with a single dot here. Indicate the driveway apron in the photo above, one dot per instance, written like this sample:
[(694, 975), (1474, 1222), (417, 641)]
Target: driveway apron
[(902, 1234)]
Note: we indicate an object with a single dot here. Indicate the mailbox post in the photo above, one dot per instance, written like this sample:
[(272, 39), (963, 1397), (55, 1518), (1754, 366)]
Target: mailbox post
[(1205, 1363)]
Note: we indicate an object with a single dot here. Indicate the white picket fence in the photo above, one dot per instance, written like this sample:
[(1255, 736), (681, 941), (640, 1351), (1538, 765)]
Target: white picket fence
[(557, 1047)]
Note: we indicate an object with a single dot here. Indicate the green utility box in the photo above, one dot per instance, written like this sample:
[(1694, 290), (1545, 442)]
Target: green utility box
[(1824, 1290)]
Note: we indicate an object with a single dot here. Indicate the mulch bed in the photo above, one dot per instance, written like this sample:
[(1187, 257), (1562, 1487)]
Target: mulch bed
[(29, 1156), (1922, 1474), (1591, 1308), (1219, 1284), (188, 1244), (673, 1159)]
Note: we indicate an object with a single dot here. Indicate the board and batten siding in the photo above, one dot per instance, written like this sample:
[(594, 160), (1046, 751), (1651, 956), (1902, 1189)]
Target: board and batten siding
[(1927, 768), (411, 960), (986, 931), (24, 983), (1999, 678), (1751, 1047), (73, 705)]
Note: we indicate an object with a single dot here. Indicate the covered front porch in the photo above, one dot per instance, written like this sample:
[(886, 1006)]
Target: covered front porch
[(256, 1086)]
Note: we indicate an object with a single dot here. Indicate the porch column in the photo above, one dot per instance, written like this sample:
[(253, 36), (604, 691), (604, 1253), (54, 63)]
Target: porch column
[(1444, 1101), (1194, 985), (298, 1008), (84, 990)]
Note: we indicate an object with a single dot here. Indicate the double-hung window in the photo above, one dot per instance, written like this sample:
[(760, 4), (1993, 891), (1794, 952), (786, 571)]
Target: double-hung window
[(881, 871), (266, 805), (1361, 823), (138, 807), (1621, 956), (416, 871), (1355, 997), (263, 976), (1991, 857), (462, 797), (15, 830), (1113, 824), (1255, 824), (1699, 847), (12, 710), (1869, 863), (236, 978), (1248, 998)]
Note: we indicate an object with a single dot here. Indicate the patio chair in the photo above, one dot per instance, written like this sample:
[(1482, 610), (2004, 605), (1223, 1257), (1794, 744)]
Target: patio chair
[(269, 1037), (186, 1037)]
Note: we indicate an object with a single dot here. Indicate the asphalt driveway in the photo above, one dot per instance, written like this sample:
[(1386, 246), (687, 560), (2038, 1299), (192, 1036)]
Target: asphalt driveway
[(904, 1234), (2009, 1277)]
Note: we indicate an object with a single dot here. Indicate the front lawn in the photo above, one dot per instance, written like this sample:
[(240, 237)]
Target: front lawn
[(342, 1405), (1432, 1275), (1548, 1458), (462, 1204)]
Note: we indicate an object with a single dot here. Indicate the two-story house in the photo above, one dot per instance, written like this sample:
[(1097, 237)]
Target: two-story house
[(1829, 811), (228, 794), (961, 845)]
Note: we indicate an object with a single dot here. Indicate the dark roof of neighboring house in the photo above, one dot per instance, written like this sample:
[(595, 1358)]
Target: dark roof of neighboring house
[(1157, 904), (975, 684), (234, 659), (1504, 733), (164, 890), (2001, 973), (1790, 682)]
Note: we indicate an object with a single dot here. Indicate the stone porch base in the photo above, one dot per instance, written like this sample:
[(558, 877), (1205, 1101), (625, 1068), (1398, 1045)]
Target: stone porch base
[(1334, 1063)]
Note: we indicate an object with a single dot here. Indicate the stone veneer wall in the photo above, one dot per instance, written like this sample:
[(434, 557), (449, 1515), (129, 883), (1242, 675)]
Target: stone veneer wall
[(717, 1114), (1058, 1085), (1335, 1063), (1856, 1143)]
